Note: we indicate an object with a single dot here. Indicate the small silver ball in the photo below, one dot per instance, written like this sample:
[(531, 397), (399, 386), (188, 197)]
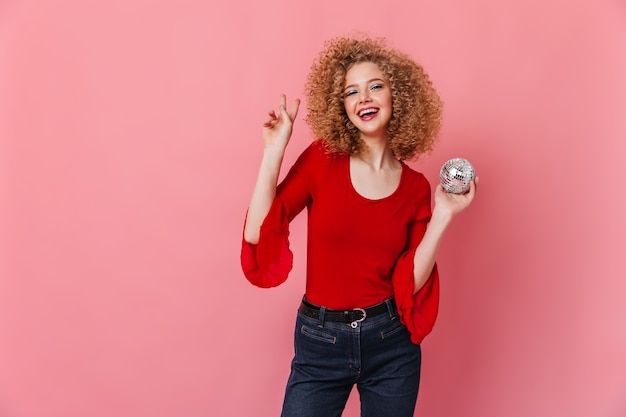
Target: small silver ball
[(456, 175)]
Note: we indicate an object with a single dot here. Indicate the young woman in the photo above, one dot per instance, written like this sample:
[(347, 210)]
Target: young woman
[(372, 282)]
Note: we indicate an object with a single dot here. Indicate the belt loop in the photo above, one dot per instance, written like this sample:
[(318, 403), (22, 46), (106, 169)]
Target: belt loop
[(391, 307), (321, 319)]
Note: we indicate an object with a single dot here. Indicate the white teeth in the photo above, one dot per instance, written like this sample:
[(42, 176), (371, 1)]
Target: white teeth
[(367, 111)]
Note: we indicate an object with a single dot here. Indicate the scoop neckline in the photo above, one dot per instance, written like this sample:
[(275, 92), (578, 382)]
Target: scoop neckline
[(393, 193)]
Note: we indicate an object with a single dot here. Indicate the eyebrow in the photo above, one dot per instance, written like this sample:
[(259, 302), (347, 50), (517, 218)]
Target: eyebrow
[(369, 81)]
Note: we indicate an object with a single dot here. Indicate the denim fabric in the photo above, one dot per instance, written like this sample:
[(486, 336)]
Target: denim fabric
[(378, 356)]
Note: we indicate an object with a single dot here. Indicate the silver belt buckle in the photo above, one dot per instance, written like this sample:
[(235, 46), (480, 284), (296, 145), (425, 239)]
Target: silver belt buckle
[(354, 323)]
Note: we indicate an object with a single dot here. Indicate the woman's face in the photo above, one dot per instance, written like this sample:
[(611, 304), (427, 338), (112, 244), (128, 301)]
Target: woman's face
[(367, 99)]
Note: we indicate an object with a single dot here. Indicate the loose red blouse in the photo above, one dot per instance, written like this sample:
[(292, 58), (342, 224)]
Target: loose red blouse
[(359, 251)]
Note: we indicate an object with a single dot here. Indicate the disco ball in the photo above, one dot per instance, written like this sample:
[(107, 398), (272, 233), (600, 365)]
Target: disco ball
[(456, 174)]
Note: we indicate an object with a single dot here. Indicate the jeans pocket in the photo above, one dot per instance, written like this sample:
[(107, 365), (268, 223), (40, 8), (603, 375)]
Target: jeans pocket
[(317, 334), (393, 329)]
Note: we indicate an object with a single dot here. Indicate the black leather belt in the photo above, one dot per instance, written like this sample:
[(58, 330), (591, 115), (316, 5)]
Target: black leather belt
[(351, 317)]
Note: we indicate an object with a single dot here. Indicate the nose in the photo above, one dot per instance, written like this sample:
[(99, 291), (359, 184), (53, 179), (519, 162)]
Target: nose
[(364, 95)]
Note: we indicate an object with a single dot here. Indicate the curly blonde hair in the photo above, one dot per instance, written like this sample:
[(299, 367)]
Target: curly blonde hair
[(416, 115)]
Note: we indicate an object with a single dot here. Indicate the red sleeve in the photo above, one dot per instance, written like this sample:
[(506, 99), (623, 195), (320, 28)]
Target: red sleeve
[(418, 311), (268, 263)]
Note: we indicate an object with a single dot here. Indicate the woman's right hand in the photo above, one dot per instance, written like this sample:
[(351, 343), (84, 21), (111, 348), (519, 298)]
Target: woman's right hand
[(276, 133), (277, 129)]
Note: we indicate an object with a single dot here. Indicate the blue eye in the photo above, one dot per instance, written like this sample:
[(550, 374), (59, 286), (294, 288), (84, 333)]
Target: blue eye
[(376, 86)]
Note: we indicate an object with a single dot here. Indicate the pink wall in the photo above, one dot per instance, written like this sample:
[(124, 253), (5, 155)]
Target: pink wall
[(129, 143)]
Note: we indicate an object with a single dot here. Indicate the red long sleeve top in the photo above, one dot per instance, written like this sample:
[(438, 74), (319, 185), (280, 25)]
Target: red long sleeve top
[(359, 251)]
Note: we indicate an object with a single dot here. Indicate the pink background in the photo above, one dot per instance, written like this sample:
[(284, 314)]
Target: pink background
[(129, 144)]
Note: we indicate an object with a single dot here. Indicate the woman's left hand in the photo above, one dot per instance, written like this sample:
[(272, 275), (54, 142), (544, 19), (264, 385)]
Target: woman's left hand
[(452, 204)]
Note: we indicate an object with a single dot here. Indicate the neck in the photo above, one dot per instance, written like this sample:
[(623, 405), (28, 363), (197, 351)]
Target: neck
[(378, 156)]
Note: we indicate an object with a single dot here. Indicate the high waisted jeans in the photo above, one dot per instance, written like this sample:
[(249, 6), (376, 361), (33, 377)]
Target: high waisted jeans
[(330, 357)]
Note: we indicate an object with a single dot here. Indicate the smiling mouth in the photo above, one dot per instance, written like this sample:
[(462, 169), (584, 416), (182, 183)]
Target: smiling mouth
[(368, 112)]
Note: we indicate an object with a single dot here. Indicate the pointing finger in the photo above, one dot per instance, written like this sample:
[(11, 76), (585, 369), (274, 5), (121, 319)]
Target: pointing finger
[(294, 109)]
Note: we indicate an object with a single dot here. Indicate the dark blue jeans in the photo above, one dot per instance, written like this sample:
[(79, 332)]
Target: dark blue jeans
[(378, 356)]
